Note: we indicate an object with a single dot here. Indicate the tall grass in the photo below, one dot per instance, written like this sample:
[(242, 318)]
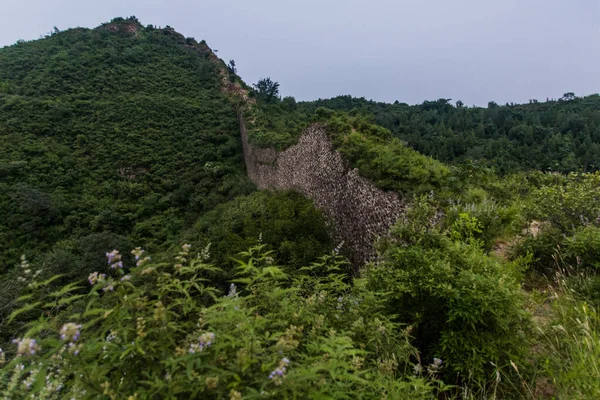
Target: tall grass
[(571, 339)]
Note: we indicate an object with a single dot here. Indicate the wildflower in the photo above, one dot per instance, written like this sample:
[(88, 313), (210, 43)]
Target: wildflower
[(140, 326), (108, 288), (212, 382), (195, 348), (186, 247), (160, 313), (95, 277), (232, 291), (205, 253), (142, 261), (74, 348), (290, 339), (113, 256), (26, 270), (2, 357), (111, 336), (126, 278), (25, 265), (279, 372), (235, 395), (137, 252), (30, 379), (435, 367), (26, 346), (118, 264), (418, 369), (336, 250), (357, 362), (70, 332), (205, 340)]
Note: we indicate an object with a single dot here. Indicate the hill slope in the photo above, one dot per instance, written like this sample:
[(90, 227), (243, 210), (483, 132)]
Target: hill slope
[(119, 129), (559, 135)]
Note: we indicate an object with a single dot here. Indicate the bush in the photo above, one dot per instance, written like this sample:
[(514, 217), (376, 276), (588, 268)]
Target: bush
[(286, 222), (583, 248), (162, 331), (464, 307), (494, 220)]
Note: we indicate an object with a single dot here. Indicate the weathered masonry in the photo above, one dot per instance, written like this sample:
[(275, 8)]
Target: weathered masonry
[(360, 212)]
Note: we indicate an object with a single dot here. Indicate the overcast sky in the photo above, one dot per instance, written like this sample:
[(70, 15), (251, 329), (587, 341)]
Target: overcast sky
[(385, 50)]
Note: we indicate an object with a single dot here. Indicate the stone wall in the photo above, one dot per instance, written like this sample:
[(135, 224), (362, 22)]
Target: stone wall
[(359, 211)]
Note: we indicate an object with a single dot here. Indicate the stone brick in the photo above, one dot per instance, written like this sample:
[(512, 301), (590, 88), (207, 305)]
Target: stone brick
[(359, 211)]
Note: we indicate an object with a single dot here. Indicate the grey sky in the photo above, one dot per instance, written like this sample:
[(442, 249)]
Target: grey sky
[(472, 50)]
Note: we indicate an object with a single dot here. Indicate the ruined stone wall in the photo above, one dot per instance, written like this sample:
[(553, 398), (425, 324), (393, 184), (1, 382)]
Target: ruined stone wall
[(360, 212)]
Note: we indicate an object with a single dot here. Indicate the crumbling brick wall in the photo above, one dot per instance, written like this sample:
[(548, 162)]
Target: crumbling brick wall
[(360, 212)]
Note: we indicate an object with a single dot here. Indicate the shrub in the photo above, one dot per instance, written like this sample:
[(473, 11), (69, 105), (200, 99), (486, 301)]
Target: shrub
[(162, 331), (464, 307), (285, 222), (583, 248), (494, 221)]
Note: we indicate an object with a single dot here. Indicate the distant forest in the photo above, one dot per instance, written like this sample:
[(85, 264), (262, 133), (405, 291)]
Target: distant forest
[(557, 135)]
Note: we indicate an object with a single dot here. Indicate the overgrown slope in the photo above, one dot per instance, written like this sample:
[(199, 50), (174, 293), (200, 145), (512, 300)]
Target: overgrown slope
[(119, 138), (119, 129), (559, 135)]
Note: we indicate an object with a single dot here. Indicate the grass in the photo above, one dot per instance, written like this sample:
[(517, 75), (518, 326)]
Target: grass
[(568, 354)]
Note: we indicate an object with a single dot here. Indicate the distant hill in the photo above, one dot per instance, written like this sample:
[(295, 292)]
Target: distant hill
[(559, 135)]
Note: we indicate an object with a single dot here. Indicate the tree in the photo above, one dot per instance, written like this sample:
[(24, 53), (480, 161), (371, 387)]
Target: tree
[(267, 89), (289, 103), (231, 67), (568, 96)]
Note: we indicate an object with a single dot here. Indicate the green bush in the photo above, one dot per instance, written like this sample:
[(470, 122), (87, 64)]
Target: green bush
[(568, 202), (464, 306), (494, 220), (285, 222), (566, 210), (583, 248), (162, 331), (389, 163)]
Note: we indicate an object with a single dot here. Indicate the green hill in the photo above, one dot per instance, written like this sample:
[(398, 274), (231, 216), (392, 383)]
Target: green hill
[(558, 135), (122, 135), (137, 261), (119, 129)]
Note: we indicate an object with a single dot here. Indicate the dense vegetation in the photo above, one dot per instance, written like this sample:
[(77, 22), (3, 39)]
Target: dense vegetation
[(122, 173), (124, 132), (558, 135), (116, 136)]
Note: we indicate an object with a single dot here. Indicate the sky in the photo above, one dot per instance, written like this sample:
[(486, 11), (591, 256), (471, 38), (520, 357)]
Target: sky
[(386, 50)]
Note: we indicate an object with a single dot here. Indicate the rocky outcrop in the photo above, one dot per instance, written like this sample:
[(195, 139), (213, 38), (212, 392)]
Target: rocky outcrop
[(360, 212)]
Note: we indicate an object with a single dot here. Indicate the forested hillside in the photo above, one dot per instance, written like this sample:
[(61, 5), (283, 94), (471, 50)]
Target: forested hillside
[(117, 136), (556, 135), (137, 260), (119, 129)]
